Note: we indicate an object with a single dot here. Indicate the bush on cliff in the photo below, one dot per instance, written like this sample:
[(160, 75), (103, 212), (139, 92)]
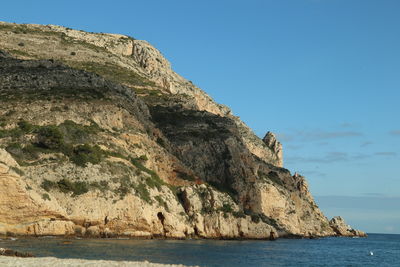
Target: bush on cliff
[(50, 137), (82, 154), (66, 186)]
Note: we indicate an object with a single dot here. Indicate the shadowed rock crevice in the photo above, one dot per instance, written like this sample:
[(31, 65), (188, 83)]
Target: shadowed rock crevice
[(101, 137)]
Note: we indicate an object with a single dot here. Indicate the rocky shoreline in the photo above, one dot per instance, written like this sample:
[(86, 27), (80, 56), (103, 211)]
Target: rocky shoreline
[(9, 257), (50, 261)]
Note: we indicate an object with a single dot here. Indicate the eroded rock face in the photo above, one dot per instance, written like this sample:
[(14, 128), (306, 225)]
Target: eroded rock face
[(105, 139), (271, 141), (341, 228)]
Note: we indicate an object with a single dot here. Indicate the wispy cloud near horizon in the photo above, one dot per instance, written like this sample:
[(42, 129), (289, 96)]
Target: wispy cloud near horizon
[(386, 153), (318, 135), (366, 143), (328, 158), (395, 132)]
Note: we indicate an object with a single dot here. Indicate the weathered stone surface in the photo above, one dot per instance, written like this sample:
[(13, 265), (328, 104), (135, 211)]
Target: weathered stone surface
[(276, 147), (341, 228), (103, 138)]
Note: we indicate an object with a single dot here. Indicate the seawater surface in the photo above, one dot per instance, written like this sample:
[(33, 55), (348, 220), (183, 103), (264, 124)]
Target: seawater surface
[(283, 252)]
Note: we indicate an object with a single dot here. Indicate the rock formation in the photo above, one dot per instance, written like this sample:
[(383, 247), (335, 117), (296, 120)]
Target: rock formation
[(100, 137), (341, 228), (276, 147)]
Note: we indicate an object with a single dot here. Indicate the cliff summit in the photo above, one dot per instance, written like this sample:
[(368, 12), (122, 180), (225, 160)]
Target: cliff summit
[(100, 137)]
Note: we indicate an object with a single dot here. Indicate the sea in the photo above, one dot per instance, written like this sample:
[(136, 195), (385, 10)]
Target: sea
[(374, 250)]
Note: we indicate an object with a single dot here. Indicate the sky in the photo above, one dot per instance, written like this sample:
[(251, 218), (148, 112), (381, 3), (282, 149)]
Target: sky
[(324, 75)]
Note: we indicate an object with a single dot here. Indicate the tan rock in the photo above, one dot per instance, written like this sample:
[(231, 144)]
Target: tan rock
[(131, 191), (341, 228)]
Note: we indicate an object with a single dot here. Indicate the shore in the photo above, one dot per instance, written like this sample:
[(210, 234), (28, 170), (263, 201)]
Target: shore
[(53, 262)]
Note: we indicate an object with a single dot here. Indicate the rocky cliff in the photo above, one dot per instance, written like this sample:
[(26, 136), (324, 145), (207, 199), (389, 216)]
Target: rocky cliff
[(100, 137)]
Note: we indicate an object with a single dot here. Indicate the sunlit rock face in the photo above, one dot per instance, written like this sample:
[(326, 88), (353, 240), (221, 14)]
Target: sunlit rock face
[(100, 137)]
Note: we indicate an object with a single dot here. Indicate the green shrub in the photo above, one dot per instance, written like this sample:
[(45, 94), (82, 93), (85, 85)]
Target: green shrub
[(21, 154), (123, 190), (143, 192), (3, 122), (239, 214), (77, 133), (161, 142), (82, 154), (46, 196), (154, 180), (66, 186), (25, 126), (13, 133), (80, 188), (102, 185), (185, 176), (142, 158), (31, 152), (14, 148), (48, 185), (53, 139), (226, 208), (77, 188), (18, 171), (50, 137)]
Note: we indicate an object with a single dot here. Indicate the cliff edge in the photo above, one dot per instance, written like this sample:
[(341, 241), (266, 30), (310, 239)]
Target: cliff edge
[(100, 137)]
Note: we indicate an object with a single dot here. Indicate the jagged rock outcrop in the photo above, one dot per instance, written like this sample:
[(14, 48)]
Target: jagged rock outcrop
[(276, 147), (99, 137), (341, 228)]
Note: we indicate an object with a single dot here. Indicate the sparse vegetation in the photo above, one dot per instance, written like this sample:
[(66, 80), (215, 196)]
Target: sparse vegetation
[(154, 181), (17, 171), (112, 72), (226, 208), (225, 188), (161, 202), (239, 214), (257, 217), (142, 191), (83, 154), (325, 226), (50, 137), (271, 176), (55, 93), (161, 142), (46, 196), (66, 186), (185, 176), (103, 185), (66, 138)]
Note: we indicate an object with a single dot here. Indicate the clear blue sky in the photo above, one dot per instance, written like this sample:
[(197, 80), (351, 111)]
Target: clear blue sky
[(322, 74)]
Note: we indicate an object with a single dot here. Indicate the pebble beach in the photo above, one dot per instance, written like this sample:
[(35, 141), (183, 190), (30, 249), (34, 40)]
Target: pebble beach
[(53, 262)]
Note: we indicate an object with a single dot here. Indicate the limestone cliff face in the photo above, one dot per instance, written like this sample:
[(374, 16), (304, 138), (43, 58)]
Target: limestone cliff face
[(99, 137), (341, 228)]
